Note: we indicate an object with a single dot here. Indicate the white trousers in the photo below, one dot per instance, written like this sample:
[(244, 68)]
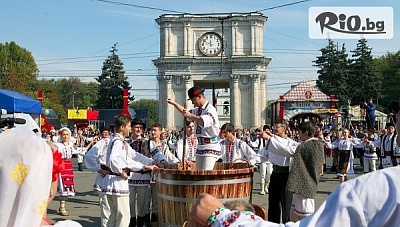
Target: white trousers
[(369, 165), (205, 163), (104, 209), (120, 212), (138, 200), (265, 172)]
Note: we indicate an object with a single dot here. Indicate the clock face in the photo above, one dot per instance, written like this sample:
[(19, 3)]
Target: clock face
[(210, 44)]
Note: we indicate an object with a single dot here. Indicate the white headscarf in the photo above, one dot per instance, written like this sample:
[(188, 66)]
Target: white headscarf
[(25, 178)]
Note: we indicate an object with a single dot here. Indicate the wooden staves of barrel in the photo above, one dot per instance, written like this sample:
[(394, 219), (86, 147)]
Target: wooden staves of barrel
[(177, 190)]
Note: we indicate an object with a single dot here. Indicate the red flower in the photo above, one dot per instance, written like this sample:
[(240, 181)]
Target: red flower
[(217, 212), (227, 223)]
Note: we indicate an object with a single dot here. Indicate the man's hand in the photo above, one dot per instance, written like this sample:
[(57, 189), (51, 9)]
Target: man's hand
[(124, 176), (203, 208), (103, 172), (267, 134), (170, 101), (150, 167)]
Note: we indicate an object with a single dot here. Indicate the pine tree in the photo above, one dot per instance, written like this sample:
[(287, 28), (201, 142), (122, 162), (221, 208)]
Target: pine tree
[(333, 72), (112, 83), (365, 79)]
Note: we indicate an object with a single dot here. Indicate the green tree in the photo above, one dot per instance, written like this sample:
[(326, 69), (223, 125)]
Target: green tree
[(18, 70), (333, 71), (365, 80), (112, 83), (389, 68), (151, 105)]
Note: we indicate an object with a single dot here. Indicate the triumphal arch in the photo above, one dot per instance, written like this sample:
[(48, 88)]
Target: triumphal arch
[(213, 50)]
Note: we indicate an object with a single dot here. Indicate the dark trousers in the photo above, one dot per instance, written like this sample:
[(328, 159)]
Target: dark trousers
[(279, 199), (370, 123)]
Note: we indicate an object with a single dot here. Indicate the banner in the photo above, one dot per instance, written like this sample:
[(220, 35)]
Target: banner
[(77, 114)]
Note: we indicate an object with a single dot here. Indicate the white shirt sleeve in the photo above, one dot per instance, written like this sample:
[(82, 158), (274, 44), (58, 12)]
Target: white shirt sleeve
[(91, 159), (282, 147)]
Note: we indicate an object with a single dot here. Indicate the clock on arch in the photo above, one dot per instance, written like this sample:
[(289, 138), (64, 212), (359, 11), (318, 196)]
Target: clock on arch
[(210, 44)]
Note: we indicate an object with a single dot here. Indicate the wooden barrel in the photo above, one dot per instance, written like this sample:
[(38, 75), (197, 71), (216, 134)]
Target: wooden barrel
[(178, 189)]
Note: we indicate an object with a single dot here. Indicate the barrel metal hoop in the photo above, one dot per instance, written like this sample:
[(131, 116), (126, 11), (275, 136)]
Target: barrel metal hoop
[(193, 200), (203, 183)]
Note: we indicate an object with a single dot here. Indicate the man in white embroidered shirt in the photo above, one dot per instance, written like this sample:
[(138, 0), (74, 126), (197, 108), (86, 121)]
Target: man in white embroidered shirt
[(206, 127)]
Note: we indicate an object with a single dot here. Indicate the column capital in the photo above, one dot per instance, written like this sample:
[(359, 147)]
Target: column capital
[(235, 77), (187, 78), (255, 77)]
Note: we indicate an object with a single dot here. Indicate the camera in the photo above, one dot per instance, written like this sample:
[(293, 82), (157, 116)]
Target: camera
[(393, 106), (265, 127)]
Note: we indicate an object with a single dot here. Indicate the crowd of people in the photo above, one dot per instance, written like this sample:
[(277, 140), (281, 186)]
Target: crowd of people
[(290, 157)]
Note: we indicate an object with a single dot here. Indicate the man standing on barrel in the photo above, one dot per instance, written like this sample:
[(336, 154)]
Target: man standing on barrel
[(206, 127)]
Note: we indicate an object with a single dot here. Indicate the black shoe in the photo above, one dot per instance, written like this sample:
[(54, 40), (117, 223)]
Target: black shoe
[(147, 222), (132, 223)]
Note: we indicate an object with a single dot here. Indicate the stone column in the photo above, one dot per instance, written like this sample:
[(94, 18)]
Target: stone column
[(235, 101), (263, 95), (186, 39), (255, 113), (169, 118), (188, 85)]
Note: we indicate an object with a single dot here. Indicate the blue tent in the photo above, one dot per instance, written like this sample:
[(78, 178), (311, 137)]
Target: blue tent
[(15, 102)]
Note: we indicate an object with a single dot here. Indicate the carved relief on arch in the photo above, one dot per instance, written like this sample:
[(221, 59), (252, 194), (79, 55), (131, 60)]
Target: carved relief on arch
[(178, 80), (245, 79)]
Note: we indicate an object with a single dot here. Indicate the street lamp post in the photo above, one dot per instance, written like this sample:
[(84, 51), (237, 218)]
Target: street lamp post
[(112, 101), (73, 100)]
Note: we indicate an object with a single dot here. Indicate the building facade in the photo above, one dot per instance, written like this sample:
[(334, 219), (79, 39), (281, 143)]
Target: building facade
[(224, 51)]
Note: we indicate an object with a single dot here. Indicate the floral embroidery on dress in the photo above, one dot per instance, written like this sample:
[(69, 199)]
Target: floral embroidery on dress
[(228, 219), (42, 207), (19, 173)]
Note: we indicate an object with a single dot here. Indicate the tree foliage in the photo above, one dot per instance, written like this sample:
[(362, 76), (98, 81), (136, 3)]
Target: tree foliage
[(333, 71), (151, 105), (112, 83), (365, 80), (18, 70), (389, 68)]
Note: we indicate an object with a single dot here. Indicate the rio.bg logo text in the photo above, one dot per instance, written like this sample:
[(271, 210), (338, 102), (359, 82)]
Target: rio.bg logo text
[(351, 22)]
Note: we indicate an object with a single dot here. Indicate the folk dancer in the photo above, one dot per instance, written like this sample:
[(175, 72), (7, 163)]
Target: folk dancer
[(370, 155), (139, 181), (389, 147), (206, 128), (279, 199), (120, 160), (66, 185), (233, 148), (265, 165), (346, 157), (168, 157), (191, 145), (94, 158), (81, 144)]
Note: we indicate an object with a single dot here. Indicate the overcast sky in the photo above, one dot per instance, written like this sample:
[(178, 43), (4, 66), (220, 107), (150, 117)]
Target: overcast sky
[(73, 37)]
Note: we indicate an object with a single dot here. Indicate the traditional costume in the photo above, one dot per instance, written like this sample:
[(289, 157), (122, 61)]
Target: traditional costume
[(120, 158), (345, 147), (26, 178), (238, 149), (208, 148), (94, 158)]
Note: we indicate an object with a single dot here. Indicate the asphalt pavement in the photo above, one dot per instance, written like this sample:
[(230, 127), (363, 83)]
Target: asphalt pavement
[(84, 208)]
